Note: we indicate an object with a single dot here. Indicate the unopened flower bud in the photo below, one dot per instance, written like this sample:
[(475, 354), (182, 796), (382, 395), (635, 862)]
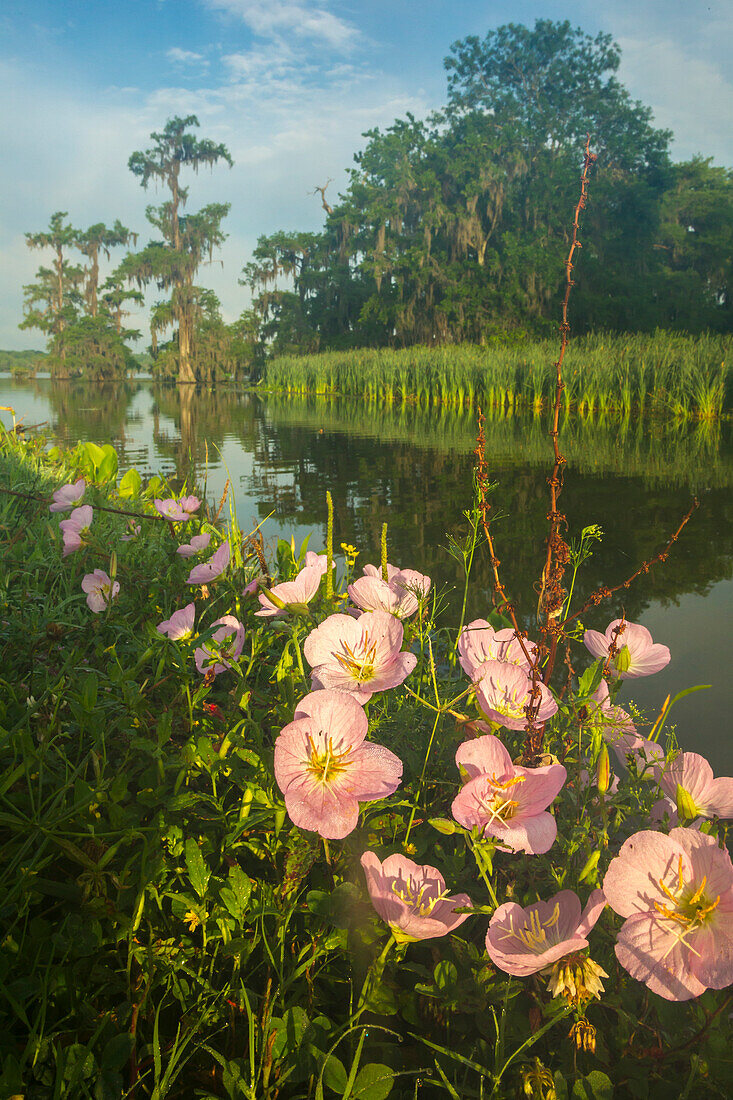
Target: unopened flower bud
[(603, 770), (686, 808), (590, 865), (113, 566), (583, 1035)]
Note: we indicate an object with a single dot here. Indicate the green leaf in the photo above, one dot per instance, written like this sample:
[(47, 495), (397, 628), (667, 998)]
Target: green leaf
[(445, 974), (443, 825), (107, 468), (117, 1051), (289, 1031), (89, 691), (198, 872), (590, 679), (130, 484), (241, 886), (596, 1086), (373, 1083), (334, 1075)]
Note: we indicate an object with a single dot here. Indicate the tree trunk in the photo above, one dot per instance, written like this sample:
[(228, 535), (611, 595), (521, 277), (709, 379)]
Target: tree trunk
[(185, 371)]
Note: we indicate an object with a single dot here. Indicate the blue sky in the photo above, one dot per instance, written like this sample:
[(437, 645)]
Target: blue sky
[(289, 86)]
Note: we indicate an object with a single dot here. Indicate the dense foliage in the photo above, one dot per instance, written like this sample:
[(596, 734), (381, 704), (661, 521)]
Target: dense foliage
[(454, 228), (169, 930)]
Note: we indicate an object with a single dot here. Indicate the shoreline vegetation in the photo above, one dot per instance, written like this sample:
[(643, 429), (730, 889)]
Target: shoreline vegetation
[(176, 924), (659, 374)]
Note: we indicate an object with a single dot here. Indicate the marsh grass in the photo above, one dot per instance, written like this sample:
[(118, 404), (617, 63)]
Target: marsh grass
[(663, 374)]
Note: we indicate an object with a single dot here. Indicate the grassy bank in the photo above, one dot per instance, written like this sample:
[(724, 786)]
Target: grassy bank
[(168, 930), (662, 373)]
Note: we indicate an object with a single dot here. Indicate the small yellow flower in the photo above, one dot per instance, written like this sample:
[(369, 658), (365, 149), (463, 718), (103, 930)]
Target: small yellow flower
[(192, 920)]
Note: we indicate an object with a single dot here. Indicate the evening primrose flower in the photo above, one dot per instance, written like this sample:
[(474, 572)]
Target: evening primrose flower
[(177, 510), (504, 800), (359, 656), (636, 654), (479, 642), (523, 941), (74, 527), (180, 624), (213, 568), (229, 638), (325, 768), (690, 774), (504, 691), (400, 596), (295, 594), (676, 893), (100, 590), (195, 546), (67, 496), (412, 897)]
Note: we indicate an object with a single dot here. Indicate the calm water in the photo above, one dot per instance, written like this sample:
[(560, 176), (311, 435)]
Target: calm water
[(412, 469)]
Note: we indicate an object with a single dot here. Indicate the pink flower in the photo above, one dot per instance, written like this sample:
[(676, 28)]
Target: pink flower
[(296, 593), (251, 588), (133, 530), (479, 642), (676, 892), (376, 571), (325, 768), (67, 496), (504, 800), (180, 624), (213, 568), (100, 590), (321, 560), (230, 642), (74, 527), (636, 654), (195, 546), (522, 941), (503, 692), (177, 510), (400, 596), (709, 797), (412, 898), (359, 656)]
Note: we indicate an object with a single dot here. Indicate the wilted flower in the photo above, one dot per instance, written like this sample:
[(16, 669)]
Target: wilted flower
[(576, 977), (504, 800), (412, 897), (522, 941), (636, 654), (706, 796), (67, 496), (359, 656), (100, 590), (325, 768), (504, 692), (479, 642), (133, 530), (180, 624), (195, 546), (296, 593), (213, 568), (74, 527), (676, 892), (229, 639), (177, 510)]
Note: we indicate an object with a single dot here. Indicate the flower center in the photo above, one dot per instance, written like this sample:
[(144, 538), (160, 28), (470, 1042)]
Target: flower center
[(533, 936), (359, 661), (413, 895), (326, 766), (497, 803), (690, 907)]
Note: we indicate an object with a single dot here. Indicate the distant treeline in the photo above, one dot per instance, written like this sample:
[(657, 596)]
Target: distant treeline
[(452, 230), (23, 361)]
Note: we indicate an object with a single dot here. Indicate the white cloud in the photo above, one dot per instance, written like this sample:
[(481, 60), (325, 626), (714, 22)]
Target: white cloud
[(185, 57), (688, 94), (289, 17), (288, 125)]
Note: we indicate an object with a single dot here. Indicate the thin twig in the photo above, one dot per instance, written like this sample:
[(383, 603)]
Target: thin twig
[(98, 507)]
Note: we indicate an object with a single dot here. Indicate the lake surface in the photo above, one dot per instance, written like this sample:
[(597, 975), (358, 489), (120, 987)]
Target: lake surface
[(412, 468)]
